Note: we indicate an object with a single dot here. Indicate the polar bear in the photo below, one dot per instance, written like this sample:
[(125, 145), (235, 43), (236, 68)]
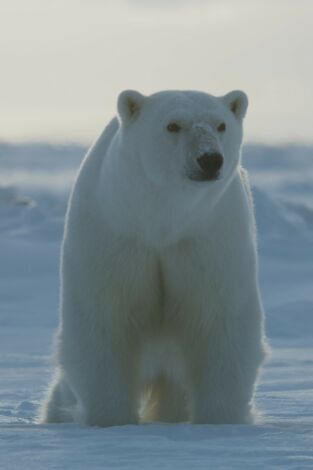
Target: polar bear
[(161, 316)]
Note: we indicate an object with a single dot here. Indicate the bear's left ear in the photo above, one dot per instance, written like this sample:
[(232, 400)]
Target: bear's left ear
[(237, 102), (129, 104)]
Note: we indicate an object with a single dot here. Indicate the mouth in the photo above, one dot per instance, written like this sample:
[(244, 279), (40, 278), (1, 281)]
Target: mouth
[(205, 177)]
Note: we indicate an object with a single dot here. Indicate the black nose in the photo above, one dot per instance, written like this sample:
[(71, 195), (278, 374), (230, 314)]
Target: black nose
[(210, 164)]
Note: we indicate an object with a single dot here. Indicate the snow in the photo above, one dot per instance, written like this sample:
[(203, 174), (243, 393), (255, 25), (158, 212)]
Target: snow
[(34, 185)]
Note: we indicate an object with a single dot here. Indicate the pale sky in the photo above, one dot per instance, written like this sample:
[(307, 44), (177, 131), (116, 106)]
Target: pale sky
[(64, 62)]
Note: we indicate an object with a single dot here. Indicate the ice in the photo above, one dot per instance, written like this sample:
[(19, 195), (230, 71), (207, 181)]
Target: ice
[(35, 181)]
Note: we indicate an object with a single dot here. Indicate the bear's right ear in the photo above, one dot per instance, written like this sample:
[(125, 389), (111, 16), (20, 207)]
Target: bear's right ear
[(129, 104), (237, 102)]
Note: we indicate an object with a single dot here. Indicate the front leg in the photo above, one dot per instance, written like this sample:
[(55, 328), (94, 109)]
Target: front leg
[(227, 363), (100, 378)]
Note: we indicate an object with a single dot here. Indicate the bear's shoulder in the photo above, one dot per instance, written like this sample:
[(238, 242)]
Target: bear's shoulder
[(104, 140)]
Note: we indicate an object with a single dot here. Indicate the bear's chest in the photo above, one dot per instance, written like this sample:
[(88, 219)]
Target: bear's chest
[(152, 291), (131, 285)]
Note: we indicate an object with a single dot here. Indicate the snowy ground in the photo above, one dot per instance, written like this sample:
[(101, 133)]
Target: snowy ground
[(34, 185)]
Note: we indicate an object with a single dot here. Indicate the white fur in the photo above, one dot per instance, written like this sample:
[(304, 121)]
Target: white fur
[(161, 317)]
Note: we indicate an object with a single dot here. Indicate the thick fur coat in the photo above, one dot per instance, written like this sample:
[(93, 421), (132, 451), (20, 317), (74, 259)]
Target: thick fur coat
[(161, 317)]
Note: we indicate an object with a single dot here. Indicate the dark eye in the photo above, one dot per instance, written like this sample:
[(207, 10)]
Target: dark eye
[(221, 127), (173, 127)]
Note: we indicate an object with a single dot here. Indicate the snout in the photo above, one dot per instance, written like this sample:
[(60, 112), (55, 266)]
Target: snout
[(210, 165)]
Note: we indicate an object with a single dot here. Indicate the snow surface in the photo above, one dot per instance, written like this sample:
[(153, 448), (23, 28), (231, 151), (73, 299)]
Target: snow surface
[(34, 186)]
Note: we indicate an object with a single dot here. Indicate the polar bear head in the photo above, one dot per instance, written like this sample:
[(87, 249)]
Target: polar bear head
[(185, 138)]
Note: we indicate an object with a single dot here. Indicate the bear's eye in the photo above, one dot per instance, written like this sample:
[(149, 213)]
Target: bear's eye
[(173, 127), (221, 127)]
